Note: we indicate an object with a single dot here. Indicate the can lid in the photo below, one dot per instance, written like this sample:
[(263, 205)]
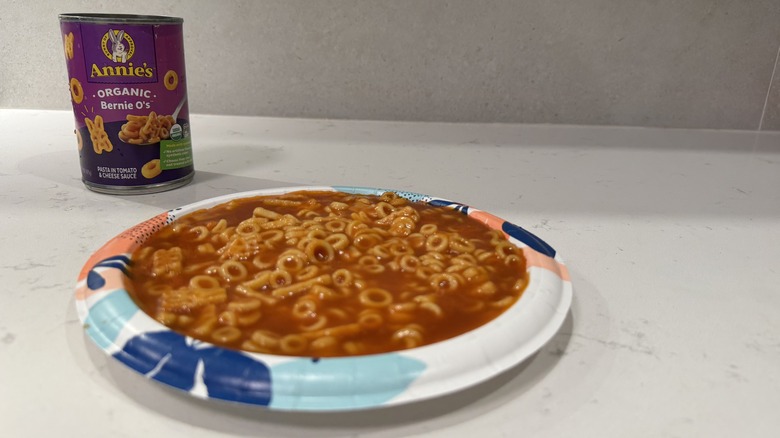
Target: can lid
[(120, 18)]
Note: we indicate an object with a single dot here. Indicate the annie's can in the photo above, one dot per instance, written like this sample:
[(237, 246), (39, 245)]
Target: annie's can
[(128, 87)]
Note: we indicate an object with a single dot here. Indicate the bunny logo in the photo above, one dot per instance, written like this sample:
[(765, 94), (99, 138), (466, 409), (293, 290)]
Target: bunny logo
[(122, 46), (123, 55)]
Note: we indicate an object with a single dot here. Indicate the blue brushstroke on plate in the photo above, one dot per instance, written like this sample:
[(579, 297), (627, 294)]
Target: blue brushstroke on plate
[(343, 383), (453, 205), (95, 281), (529, 239), (109, 316), (169, 358)]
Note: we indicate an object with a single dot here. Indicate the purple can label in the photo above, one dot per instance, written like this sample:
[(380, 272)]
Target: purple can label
[(129, 96)]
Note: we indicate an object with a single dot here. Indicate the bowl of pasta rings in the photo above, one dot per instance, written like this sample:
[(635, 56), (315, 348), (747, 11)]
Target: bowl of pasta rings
[(323, 298)]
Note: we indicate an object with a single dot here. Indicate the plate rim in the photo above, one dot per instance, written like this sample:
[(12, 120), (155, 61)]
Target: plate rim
[(420, 384)]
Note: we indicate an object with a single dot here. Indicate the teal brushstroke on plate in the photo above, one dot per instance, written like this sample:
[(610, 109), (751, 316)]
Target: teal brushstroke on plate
[(109, 316), (359, 190), (414, 197), (342, 383)]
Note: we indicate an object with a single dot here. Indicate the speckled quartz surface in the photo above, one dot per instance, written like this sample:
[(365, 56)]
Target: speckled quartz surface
[(672, 238)]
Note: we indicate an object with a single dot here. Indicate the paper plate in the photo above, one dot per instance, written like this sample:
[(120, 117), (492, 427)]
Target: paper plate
[(117, 325)]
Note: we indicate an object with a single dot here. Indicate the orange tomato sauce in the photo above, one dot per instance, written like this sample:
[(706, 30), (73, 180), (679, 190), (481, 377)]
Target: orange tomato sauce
[(325, 274)]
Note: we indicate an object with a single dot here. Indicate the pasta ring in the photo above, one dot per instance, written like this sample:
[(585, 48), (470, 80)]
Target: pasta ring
[(79, 138), (151, 169), (76, 92), (171, 80)]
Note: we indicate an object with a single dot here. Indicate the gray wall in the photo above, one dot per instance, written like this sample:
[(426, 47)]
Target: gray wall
[(667, 63)]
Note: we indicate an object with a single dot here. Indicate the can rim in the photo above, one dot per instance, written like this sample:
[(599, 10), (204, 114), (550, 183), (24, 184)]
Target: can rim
[(119, 18)]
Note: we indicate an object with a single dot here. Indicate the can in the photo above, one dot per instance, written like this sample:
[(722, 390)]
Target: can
[(128, 87)]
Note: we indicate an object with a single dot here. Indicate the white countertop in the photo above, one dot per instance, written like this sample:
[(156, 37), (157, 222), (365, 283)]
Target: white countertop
[(672, 238)]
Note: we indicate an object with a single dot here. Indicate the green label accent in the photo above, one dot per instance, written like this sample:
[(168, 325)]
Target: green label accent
[(175, 154)]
